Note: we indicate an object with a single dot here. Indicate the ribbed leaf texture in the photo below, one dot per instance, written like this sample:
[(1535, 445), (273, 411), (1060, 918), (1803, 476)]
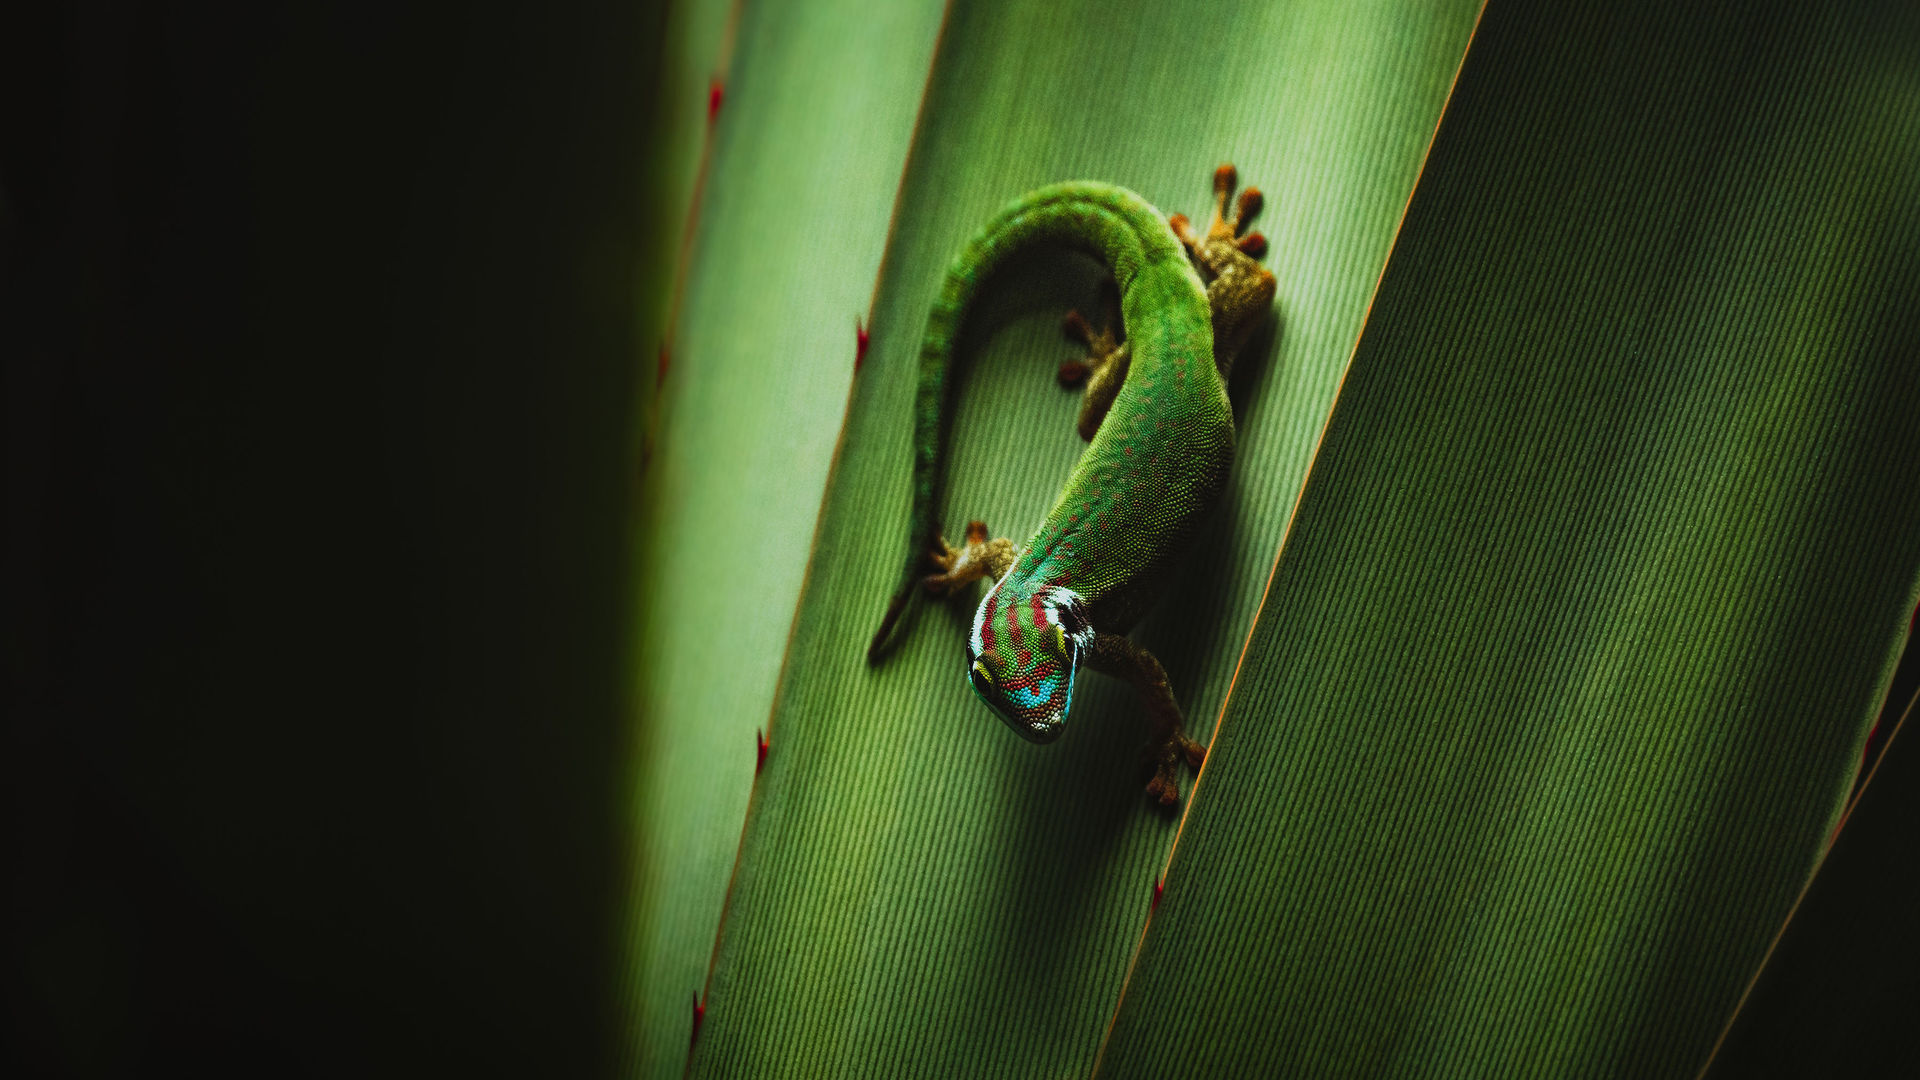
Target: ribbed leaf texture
[(1598, 577), (920, 893), (1563, 668), (814, 121)]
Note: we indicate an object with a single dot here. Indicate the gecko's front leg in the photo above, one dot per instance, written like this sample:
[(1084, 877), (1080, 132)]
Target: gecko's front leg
[(1168, 744), (976, 557)]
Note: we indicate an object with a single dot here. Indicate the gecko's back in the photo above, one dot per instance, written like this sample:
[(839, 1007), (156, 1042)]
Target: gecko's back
[(1157, 463)]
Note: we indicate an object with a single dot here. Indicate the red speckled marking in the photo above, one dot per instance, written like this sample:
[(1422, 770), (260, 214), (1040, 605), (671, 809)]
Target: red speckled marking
[(1020, 650)]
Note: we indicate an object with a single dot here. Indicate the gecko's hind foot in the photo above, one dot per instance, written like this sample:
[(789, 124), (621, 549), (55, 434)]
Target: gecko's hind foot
[(1223, 229), (1239, 290)]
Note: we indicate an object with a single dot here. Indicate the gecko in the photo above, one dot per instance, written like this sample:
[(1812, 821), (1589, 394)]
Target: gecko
[(1160, 443)]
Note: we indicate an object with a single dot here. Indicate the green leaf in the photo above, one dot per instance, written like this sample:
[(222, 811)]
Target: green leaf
[(1597, 581), (808, 145), (919, 892)]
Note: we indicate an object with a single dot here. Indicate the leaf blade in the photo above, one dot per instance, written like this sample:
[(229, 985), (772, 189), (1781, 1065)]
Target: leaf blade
[(808, 144), (1597, 581), (919, 893)]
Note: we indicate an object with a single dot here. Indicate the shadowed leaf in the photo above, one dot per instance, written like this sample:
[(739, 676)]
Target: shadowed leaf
[(1598, 579)]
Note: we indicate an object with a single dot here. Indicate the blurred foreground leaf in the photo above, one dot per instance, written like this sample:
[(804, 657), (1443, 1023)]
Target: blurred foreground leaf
[(813, 128)]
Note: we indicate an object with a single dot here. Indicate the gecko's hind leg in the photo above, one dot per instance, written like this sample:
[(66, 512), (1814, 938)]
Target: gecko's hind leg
[(1239, 290), (1113, 654), (1104, 369), (976, 557)]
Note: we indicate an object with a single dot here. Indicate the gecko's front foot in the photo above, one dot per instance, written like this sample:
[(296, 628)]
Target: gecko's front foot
[(1113, 654), (1165, 757), (977, 557)]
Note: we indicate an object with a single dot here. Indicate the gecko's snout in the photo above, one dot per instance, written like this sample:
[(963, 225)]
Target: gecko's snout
[(1033, 702), (1038, 731)]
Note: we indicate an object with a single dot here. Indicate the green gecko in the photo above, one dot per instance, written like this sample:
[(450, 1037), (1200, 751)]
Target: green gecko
[(1161, 440)]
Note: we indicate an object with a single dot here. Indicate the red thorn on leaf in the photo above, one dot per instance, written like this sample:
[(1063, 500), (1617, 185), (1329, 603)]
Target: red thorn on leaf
[(860, 340), (699, 1014), (660, 375), (761, 761), (714, 94), (1159, 886)]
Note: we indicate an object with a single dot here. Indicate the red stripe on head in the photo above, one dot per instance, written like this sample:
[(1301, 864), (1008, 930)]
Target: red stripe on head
[(986, 624), (1013, 633)]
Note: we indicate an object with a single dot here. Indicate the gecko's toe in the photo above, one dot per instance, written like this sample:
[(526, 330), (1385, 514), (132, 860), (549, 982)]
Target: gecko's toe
[(1162, 789), (1219, 225), (1248, 208), (1195, 753), (941, 556), (1162, 762), (1228, 246)]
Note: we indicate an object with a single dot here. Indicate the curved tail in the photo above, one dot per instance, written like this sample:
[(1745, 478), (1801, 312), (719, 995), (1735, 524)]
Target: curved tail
[(1111, 223)]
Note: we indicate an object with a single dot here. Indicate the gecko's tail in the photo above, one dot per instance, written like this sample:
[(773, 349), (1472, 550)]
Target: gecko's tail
[(877, 648)]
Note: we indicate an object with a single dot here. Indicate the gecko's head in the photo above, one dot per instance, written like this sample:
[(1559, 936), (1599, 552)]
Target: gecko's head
[(1022, 654)]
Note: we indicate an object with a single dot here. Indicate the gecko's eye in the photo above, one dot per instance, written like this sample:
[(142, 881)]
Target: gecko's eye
[(982, 678), (1060, 640)]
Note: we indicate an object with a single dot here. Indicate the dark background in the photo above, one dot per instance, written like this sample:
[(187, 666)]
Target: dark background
[(322, 369), (320, 405)]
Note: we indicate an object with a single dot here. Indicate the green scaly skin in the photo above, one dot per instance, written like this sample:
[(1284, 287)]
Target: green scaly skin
[(1161, 434)]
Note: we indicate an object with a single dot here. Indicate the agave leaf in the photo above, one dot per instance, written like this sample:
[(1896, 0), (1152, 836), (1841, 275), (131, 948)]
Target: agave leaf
[(919, 892), (1598, 578), (808, 144)]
